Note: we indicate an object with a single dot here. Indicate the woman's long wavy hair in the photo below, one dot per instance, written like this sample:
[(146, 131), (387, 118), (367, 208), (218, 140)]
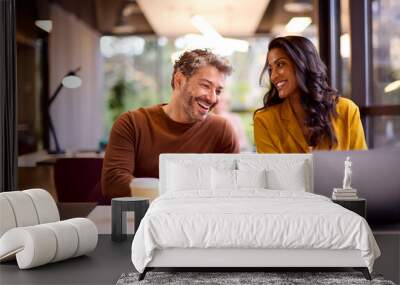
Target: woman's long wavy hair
[(317, 97)]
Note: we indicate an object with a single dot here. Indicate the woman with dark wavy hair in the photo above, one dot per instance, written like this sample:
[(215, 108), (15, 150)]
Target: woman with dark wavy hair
[(301, 111)]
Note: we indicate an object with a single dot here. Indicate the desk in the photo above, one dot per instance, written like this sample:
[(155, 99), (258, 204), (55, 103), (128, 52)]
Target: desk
[(35, 170), (102, 266), (43, 158)]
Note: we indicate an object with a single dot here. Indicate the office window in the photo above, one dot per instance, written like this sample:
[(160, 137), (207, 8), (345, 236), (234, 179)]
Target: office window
[(386, 51), (386, 71), (345, 49), (380, 104), (386, 130), (136, 74)]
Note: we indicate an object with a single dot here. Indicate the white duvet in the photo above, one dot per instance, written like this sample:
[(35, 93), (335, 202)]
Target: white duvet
[(252, 218)]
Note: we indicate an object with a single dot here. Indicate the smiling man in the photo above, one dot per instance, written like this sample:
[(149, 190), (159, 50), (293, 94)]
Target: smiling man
[(184, 125)]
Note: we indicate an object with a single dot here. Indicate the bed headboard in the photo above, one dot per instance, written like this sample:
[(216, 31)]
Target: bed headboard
[(280, 162)]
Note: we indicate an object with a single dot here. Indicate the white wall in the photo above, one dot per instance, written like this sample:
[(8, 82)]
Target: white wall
[(76, 113)]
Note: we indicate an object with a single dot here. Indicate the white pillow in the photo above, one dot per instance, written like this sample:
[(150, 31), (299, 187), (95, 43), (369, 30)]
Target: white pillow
[(251, 178), (227, 179), (223, 179), (292, 178), (284, 172), (188, 177)]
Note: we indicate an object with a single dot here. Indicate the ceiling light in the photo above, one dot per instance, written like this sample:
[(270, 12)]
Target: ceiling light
[(298, 6), (124, 29), (297, 24), (130, 9), (223, 47), (172, 18), (45, 25), (392, 86), (205, 28), (212, 39), (122, 26)]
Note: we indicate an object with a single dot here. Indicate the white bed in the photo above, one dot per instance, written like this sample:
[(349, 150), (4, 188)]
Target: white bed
[(247, 210)]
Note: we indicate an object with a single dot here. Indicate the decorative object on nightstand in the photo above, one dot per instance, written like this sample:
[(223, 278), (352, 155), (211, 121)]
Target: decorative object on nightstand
[(119, 207), (358, 205), (346, 192)]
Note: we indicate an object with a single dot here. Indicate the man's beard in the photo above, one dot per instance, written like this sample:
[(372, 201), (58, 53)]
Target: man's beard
[(191, 100)]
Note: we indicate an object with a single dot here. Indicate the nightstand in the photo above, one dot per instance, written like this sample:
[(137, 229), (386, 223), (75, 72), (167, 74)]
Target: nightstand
[(119, 207), (358, 206)]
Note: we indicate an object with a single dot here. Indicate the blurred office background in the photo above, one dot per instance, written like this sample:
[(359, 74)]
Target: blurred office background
[(120, 54), (125, 51)]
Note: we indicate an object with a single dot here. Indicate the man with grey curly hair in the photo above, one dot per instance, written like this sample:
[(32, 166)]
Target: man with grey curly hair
[(182, 125), (197, 81)]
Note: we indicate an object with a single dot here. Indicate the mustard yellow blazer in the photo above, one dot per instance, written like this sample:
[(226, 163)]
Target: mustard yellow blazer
[(276, 129)]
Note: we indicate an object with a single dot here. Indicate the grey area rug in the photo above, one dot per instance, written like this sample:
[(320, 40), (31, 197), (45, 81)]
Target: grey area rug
[(273, 278)]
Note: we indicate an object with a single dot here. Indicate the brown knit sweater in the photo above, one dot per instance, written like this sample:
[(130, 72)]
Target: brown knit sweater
[(138, 137)]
